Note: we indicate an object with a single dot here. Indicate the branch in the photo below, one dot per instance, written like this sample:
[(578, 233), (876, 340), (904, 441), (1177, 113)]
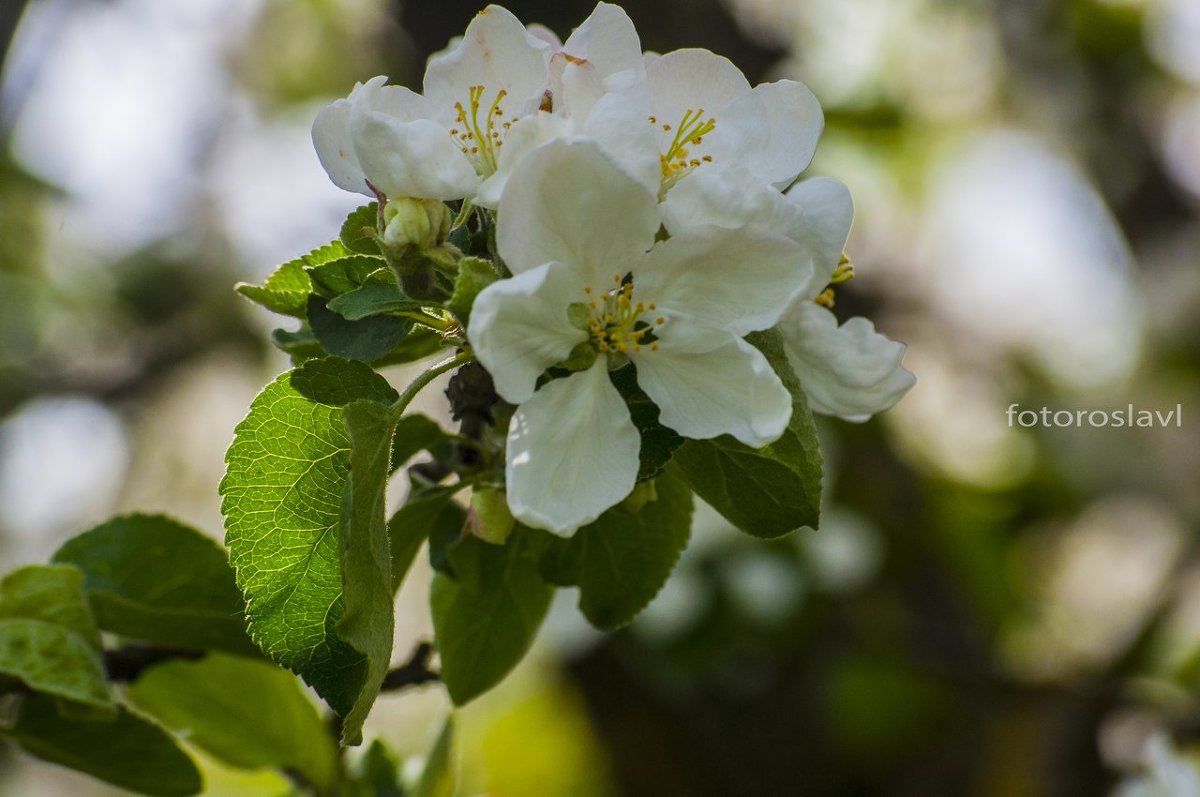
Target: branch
[(414, 672)]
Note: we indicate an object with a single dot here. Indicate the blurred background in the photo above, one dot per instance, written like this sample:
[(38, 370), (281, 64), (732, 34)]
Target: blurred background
[(987, 610)]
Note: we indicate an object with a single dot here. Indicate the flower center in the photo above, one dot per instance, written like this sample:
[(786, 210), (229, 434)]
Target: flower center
[(679, 157), (480, 139), (616, 322)]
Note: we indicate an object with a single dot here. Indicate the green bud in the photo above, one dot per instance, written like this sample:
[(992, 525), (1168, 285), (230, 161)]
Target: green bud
[(491, 519), (417, 223)]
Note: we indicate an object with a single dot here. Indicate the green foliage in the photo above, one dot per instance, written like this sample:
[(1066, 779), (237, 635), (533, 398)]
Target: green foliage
[(437, 778), (48, 641), (152, 578), (379, 294), (344, 274), (414, 433), (621, 561), (375, 774), (368, 620), (485, 619), (249, 714), (129, 751), (359, 228), (474, 274), (287, 477), (765, 492), (427, 514), (366, 340), (286, 290), (659, 443)]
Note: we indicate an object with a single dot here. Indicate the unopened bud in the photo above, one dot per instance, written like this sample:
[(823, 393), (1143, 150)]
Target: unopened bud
[(417, 223)]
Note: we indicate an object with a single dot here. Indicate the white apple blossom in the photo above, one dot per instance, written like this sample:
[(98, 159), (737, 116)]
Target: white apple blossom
[(850, 371), (589, 280), (445, 143)]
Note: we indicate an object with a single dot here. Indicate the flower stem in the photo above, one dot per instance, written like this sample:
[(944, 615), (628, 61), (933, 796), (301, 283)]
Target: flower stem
[(419, 384), (423, 318)]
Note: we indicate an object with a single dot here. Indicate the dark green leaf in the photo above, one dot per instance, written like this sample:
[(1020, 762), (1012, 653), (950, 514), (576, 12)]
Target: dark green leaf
[(376, 773), (152, 578), (286, 291), (249, 714), (433, 513), (368, 621), (129, 752), (474, 274), (48, 640), (659, 443), (437, 778), (301, 345), (485, 621), (364, 340), (414, 433), (355, 233), (417, 345), (379, 295), (765, 492), (335, 277), (287, 473), (621, 561)]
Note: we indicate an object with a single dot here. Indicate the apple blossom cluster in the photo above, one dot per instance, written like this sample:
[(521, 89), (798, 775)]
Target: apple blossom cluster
[(646, 214)]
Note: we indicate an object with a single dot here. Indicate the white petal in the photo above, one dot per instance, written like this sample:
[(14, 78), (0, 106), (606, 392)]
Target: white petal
[(572, 452), (410, 159), (694, 80), (496, 52), (618, 124), (771, 131), (335, 149), (741, 280), (850, 371), (826, 212), (568, 202), (815, 213), (607, 40), (527, 134), (334, 144), (730, 197), (707, 382), (519, 327)]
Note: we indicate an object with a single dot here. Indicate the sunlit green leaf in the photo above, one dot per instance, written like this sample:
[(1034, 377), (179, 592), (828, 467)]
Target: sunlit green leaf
[(283, 492), (474, 274), (357, 229), (286, 290)]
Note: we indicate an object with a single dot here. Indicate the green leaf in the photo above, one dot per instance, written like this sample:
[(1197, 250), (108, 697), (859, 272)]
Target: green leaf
[(437, 778), (345, 274), (379, 295), (485, 621), (659, 442), (129, 752), (48, 640), (766, 492), (286, 290), (287, 473), (353, 230), (368, 621), (414, 433), (301, 345), (621, 561), (432, 513), (474, 274), (376, 773), (155, 579), (249, 714), (365, 340), (417, 345)]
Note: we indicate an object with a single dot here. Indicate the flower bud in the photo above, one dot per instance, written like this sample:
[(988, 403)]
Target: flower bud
[(417, 223)]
